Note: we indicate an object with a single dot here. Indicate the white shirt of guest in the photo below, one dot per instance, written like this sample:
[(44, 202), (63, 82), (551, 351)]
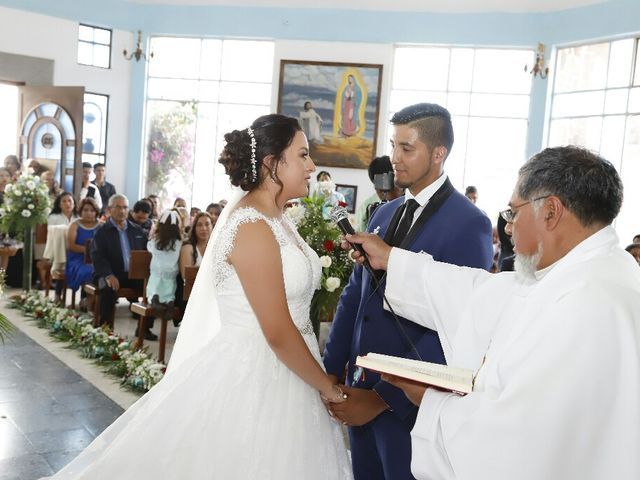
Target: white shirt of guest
[(96, 195), (424, 195), (557, 390)]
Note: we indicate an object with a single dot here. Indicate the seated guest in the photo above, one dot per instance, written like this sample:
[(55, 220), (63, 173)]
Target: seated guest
[(106, 189), (165, 250), (36, 168), (110, 251), (214, 210), (180, 202), (5, 179), (183, 213), (54, 189), (77, 272), (155, 206), (55, 250), (634, 250), (471, 192), (192, 214), (193, 249), (14, 166), (89, 189), (141, 216)]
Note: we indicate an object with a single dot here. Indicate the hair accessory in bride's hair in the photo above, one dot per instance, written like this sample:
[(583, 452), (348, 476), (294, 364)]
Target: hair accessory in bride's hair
[(254, 172)]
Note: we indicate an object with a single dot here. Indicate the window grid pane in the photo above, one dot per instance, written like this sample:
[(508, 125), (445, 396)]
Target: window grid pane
[(94, 46), (593, 106), (489, 103), (199, 88)]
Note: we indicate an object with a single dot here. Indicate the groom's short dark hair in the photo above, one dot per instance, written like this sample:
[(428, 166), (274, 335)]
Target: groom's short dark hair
[(432, 121)]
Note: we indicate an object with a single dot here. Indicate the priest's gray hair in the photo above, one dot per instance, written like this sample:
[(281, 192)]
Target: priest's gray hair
[(587, 185), (117, 196)]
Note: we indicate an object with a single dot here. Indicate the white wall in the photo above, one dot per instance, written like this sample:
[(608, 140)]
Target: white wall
[(351, 53), (24, 33)]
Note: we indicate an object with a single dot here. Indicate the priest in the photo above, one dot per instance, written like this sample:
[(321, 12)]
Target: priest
[(555, 345)]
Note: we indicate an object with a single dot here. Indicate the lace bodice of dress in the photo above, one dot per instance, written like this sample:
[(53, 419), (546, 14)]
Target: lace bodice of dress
[(300, 266)]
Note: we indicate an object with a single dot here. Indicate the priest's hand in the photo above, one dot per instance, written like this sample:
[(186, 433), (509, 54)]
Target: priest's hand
[(413, 390), (377, 251), (360, 408)]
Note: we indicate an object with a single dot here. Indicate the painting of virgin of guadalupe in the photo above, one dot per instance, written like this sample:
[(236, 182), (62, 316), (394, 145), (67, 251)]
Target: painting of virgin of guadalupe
[(337, 105)]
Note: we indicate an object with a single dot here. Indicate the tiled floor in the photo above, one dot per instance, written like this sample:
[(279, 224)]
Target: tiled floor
[(48, 413)]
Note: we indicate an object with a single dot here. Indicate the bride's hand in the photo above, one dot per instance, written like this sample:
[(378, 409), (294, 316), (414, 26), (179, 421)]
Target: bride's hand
[(333, 395)]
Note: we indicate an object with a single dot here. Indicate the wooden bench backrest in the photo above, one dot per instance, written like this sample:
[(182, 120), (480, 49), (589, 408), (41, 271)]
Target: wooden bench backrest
[(139, 264), (190, 273), (41, 234)]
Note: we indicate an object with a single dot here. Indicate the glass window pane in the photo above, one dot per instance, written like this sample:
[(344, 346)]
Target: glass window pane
[(421, 68), (175, 57), (9, 120), (502, 71), (612, 139), (636, 80), (582, 68), (404, 98), (616, 101), (458, 103), (168, 89), (492, 105), (634, 100), (494, 170), (95, 123), (101, 55), (578, 104), (247, 93), (461, 69), (205, 159), (627, 222), (210, 59), (85, 33), (576, 131), (208, 91), (454, 166), (170, 149), (247, 61), (620, 63), (85, 53), (102, 36)]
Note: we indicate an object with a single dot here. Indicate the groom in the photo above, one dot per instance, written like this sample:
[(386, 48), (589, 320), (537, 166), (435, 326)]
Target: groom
[(432, 217)]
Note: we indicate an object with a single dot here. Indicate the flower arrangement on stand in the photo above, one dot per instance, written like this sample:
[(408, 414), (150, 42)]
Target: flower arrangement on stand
[(324, 238), (26, 204), (135, 368)]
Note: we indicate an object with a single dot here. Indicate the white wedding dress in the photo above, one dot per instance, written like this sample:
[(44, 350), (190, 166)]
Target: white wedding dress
[(231, 410)]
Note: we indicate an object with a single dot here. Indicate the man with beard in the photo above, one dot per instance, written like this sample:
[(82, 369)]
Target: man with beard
[(555, 345)]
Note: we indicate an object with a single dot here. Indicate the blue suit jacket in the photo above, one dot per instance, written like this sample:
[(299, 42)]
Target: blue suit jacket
[(458, 233)]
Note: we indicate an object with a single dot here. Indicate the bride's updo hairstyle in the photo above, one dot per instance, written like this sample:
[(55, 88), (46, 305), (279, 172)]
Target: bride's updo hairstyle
[(273, 134)]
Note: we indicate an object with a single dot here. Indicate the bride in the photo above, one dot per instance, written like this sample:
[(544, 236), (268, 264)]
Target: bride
[(242, 395)]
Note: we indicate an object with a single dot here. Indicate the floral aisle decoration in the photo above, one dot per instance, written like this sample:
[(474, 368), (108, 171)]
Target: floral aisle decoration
[(135, 368), (26, 204), (6, 328), (323, 237)]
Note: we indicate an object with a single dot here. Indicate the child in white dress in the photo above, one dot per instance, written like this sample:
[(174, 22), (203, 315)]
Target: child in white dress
[(164, 246)]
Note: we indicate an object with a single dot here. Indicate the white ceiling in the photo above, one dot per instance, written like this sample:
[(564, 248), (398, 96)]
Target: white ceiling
[(444, 6)]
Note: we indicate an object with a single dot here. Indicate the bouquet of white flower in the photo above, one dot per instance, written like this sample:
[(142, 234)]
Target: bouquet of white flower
[(26, 204)]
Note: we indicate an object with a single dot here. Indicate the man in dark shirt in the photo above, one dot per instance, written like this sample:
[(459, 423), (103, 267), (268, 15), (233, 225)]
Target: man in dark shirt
[(110, 251), (141, 216), (106, 189)]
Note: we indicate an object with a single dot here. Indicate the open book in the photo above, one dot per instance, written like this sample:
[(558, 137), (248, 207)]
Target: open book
[(458, 380)]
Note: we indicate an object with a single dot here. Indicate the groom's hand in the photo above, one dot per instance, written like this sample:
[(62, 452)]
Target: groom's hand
[(377, 251), (360, 408)]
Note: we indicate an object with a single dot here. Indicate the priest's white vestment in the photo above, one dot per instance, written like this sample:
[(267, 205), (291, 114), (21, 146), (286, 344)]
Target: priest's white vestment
[(557, 393)]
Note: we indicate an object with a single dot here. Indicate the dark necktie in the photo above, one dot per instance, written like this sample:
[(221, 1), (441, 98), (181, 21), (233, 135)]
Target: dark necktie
[(404, 226)]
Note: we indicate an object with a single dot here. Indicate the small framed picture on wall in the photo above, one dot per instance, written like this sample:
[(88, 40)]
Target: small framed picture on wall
[(350, 193)]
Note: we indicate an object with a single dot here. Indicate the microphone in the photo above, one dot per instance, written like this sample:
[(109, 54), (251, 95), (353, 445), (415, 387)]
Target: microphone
[(340, 217)]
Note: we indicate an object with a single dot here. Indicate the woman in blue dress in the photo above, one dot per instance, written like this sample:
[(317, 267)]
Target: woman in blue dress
[(77, 272)]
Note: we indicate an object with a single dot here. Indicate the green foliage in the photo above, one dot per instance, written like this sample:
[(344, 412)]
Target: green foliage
[(324, 238), (26, 204), (170, 148)]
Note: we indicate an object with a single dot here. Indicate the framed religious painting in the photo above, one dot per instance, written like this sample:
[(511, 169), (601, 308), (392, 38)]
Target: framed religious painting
[(350, 193), (337, 105)]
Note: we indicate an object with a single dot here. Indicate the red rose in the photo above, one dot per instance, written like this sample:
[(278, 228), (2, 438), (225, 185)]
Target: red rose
[(114, 357), (342, 204), (328, 245)]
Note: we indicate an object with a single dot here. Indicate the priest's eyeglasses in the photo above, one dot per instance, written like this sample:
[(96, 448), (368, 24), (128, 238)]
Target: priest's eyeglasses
[(508, 215)]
